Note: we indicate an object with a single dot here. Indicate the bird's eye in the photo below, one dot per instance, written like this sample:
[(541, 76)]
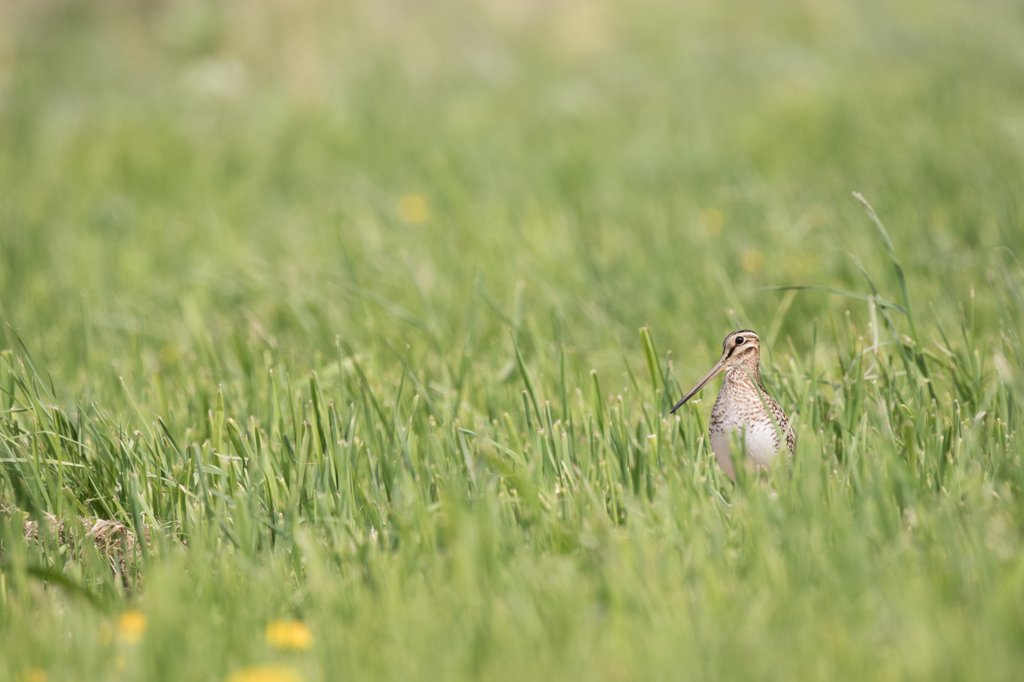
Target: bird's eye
[(739, 340)]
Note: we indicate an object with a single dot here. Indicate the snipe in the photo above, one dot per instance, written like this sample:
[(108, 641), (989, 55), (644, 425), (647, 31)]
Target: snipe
[(739, 412)]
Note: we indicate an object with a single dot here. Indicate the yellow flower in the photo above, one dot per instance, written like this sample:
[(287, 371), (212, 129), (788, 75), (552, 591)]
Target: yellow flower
[(33, 675), (753, 261), (131, 626), (413, 209), (169, 354), (289, 634), (264, 673), (711, 219)]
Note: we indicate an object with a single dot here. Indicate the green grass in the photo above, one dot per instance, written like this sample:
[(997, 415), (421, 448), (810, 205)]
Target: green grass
[(428, 427)]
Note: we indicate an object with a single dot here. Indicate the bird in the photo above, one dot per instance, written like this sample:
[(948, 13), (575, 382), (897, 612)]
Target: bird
[(739, 410)]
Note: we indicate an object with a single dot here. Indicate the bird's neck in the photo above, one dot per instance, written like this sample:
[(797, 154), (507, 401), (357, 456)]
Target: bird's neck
[(747, 370)]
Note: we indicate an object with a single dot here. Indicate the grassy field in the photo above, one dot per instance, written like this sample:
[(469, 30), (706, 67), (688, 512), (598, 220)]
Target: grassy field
[(339, 340)]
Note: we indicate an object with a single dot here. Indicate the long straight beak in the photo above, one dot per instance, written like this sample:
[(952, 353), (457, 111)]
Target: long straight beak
[(719, 366)]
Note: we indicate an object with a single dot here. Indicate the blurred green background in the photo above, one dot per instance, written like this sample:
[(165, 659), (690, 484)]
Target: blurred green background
[(374, 200), (173, 168)]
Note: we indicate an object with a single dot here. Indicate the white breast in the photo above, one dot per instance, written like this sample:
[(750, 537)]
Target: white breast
[(757, 438)]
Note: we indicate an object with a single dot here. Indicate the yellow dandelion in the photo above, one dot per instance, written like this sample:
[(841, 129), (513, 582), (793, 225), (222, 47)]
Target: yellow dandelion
[(413, 209), (289, 634), (131, 626), (711, 220), (264, 673), (33, 675), (752, 261), (169, 354)]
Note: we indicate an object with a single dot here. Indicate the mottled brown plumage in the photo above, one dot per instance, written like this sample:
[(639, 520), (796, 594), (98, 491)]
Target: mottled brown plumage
[(739, 413)]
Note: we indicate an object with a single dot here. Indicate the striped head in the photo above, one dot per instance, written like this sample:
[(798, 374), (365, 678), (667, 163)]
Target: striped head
[(739, 348)]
